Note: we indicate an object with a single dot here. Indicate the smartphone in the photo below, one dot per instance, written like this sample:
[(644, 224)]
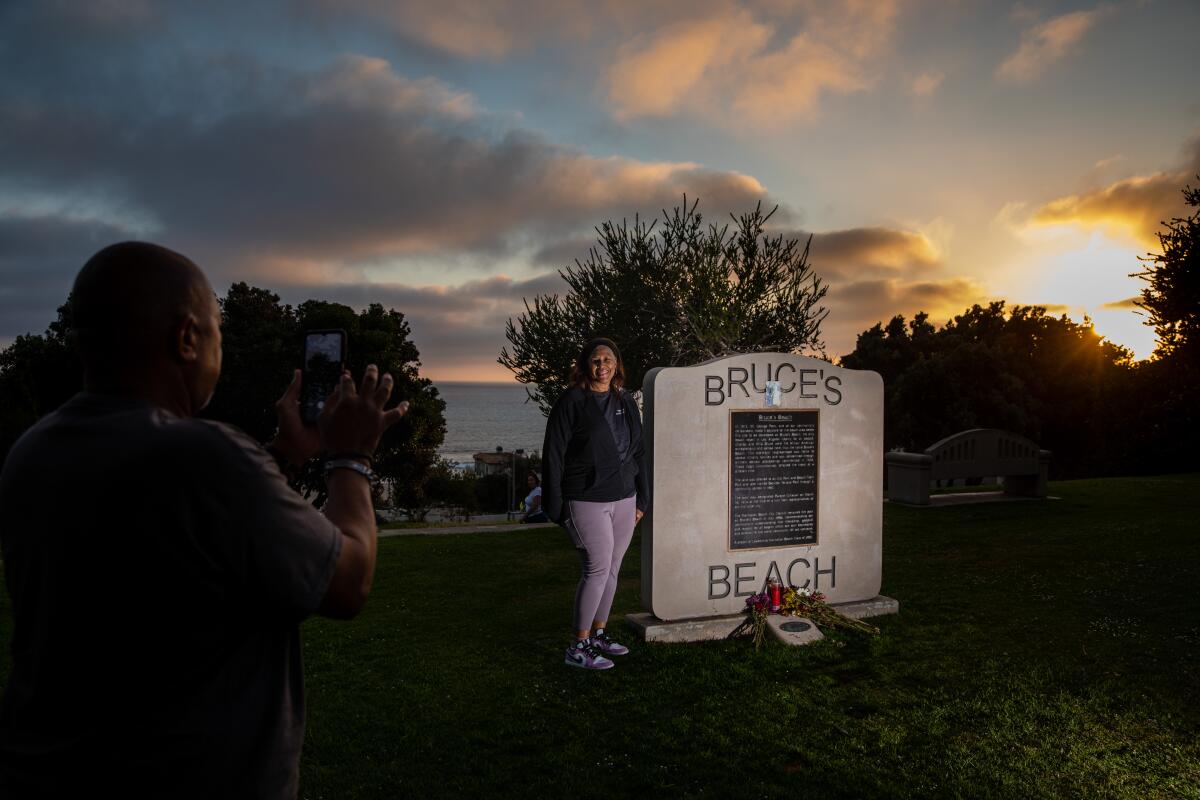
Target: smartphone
[(324, 362)]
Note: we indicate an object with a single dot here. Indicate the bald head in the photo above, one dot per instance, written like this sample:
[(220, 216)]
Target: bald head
[(144, 314), (128, 297)]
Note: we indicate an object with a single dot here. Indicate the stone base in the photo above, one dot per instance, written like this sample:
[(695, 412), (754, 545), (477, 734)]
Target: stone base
[(794, 631), (702, 629)]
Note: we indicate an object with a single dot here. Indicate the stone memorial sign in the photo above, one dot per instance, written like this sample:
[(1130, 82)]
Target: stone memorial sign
[(743, 492)]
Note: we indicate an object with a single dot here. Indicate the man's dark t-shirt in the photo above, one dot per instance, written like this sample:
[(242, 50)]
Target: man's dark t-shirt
[(158, 570)]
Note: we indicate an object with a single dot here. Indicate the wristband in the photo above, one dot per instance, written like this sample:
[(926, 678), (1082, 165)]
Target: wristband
[(353, 466)]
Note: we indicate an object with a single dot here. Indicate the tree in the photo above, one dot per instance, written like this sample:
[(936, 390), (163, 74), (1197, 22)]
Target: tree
[(261, 346), (680, 294), (1051, 379), (259, 349), (892, 349), (1170, 382), (451, 488), (38, 373), (1172, 298)]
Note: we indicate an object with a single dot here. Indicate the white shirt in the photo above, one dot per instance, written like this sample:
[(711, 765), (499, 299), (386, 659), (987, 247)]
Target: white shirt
[(537, 492)]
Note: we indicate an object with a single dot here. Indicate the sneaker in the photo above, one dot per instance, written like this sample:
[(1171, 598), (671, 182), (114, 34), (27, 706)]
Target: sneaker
[(607, 646), (584, 654)]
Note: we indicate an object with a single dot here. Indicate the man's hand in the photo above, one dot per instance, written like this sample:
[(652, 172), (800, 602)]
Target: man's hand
[(294, 441), (353, 419), (637, 516)]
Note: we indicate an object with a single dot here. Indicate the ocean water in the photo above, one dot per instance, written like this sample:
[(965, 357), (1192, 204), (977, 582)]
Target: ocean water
[(483, 416)]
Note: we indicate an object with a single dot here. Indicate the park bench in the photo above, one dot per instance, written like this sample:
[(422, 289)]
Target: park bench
[(974, 453)]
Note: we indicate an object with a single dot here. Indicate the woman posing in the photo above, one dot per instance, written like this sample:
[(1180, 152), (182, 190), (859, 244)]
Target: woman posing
[(596, 486)]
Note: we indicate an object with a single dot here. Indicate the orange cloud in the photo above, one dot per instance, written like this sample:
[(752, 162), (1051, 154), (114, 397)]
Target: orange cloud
[(1134, 206), (763, 60), (728, 66), (855, 307), (655, 74), (927, 83), (874, 273), (1047, 43), (467, 28), (857, 253), (362, 83)]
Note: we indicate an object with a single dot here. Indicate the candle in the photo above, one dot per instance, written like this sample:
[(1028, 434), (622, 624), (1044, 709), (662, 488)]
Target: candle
[(775, 591)]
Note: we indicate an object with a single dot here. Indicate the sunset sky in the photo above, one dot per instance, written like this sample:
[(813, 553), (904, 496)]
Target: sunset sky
[(447, 158)]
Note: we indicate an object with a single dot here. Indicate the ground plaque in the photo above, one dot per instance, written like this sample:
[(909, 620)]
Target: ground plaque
[(743, 492)]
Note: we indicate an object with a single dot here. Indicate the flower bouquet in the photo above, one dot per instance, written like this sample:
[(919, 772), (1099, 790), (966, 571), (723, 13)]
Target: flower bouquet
[(812, 605), (796, 602), (757, 608)]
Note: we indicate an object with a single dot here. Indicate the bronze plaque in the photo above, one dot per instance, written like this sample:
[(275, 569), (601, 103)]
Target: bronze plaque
[(772, 478)]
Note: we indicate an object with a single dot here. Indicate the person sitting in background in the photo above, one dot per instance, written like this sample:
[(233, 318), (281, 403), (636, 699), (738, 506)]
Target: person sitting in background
[(156, 642), (533, 501)]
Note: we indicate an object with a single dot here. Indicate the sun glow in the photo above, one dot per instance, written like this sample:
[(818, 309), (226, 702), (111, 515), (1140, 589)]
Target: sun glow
[(1091, 274)]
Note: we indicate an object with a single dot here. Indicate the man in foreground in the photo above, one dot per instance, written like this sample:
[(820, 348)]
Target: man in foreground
[(159, 566)]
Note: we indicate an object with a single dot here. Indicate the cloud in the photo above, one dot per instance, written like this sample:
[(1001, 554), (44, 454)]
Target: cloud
[(654, 74), (1134, 206), (744, 64), (856, 253), (98, 16), (874, 273), (1047, 43), (470, 29), (564, 253), (927, 83), (1128, 304), (872, 299), (369, 84), (39, 258), (857, 306), (353, 163)]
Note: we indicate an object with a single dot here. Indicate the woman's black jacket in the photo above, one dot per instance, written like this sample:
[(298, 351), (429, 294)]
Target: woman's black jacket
[(579, 456)]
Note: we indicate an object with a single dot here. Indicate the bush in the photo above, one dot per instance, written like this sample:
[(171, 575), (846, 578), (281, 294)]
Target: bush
[(453, 489), (490, 493)]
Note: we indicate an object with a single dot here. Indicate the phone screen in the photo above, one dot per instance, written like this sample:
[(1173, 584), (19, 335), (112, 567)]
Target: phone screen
[(324, 360)]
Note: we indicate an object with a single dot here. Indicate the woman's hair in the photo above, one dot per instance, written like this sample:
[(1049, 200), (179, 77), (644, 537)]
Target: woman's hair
[(581, 369), (534, 475)]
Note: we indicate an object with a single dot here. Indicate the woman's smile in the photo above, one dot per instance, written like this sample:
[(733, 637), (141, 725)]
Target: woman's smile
[(602, 365)]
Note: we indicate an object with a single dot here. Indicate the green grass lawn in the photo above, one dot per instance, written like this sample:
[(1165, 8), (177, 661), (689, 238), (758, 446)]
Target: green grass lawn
[(447, 523), (1043, 649)]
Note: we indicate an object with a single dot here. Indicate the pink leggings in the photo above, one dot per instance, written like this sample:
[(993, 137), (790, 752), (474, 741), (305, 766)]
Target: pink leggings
[(602, 532)]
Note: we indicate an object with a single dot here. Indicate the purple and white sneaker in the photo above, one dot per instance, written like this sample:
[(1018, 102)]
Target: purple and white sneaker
[(585, 654), (606, 645)]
